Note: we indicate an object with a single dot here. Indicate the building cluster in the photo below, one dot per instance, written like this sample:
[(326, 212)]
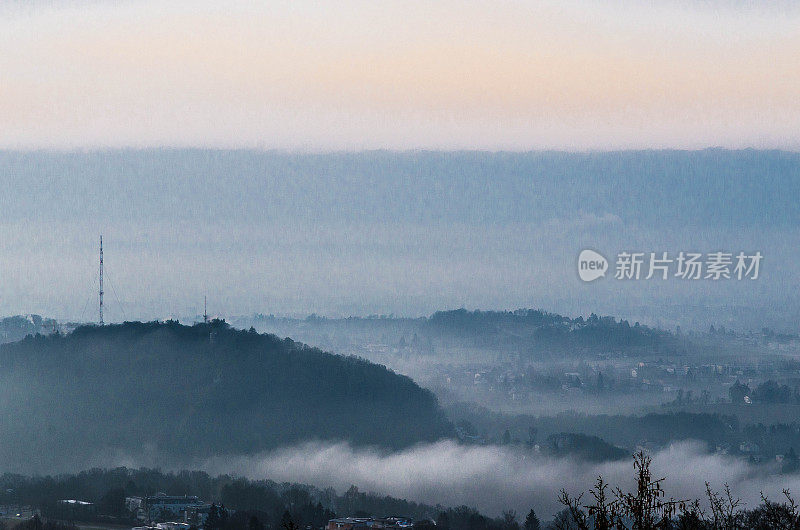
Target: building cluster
[(180, 512), (170, 512), (623, 375), (173, 512)]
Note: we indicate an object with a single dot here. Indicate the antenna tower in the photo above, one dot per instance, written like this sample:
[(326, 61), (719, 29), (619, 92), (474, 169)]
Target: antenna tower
[(101, 280)]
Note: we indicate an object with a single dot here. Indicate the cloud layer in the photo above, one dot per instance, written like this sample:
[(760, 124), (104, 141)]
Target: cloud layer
[(494, 478)]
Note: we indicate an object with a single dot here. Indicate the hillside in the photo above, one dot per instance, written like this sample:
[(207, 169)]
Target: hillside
[(170, 393)]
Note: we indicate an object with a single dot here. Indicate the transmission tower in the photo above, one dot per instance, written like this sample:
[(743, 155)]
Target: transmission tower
[(101, 280)]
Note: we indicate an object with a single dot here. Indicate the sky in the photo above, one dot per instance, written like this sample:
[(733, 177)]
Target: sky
[(317, 76), (404, 233), (111, 87)]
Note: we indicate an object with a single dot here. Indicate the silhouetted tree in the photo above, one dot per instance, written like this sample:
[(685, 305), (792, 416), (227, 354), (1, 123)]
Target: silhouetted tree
[(507, 437), (532, 522), (510, 520)]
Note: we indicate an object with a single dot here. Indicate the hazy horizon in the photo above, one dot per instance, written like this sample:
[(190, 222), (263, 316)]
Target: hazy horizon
[(404, 233)]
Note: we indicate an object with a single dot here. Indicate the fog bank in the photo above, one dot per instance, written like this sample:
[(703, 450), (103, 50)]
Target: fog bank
[(495, 478)]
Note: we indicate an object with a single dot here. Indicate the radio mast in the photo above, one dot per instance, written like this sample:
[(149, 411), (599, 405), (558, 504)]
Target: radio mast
[(101, 280), (205, 309)]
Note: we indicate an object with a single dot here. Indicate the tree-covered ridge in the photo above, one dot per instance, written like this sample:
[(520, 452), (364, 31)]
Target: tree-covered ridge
[(537, 328), (195, 391)]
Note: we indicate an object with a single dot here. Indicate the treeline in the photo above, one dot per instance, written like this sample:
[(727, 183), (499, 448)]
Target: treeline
[(17, 327), (531, 330), (466, 518), (238, 498)]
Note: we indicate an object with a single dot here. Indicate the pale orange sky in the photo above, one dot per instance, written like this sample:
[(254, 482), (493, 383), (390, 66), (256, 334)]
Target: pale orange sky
[(486, 75)]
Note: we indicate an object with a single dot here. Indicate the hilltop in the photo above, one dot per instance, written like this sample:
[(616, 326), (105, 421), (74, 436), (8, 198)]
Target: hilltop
[(168, 392)]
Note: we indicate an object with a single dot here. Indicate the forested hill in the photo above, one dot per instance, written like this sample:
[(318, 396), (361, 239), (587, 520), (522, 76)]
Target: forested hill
[(532, 328), (533, 334), (172, 392)]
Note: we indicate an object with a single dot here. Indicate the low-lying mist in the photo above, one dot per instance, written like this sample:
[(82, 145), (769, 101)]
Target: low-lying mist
[(496, 478)]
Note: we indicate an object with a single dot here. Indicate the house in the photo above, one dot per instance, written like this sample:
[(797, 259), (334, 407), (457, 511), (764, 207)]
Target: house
[(74, 509), (135, 505), (161, 507), (749, 448), (172, 526), (196, 515), (349, 523)]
